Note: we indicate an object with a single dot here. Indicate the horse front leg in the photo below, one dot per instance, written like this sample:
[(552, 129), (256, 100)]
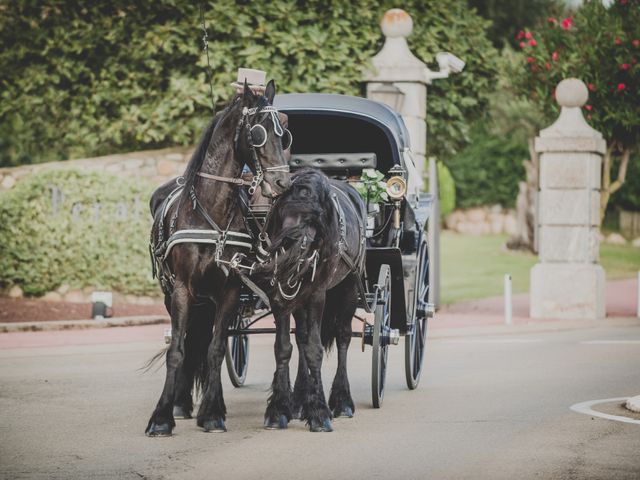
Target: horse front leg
[(340, 400), (162, 422), (315, 411), (212, 412), (301, 385), (278, 413)]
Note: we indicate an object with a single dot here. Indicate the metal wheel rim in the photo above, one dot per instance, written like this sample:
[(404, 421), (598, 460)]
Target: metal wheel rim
[(237, 357), (380, 355), (416, 341)]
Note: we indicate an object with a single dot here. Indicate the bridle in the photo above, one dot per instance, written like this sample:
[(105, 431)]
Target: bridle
[(256, 136)]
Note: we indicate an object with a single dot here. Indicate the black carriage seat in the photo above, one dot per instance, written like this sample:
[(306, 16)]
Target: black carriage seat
[(337, 165)]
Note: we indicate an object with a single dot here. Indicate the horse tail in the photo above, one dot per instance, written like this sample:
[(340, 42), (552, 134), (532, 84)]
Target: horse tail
[(329, 327)]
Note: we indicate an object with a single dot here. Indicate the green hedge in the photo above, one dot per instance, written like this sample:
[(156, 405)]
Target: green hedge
[(80, 78), (51, 233), (487, 172)]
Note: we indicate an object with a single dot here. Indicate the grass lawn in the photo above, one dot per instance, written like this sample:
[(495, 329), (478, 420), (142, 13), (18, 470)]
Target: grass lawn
[(474, 267)]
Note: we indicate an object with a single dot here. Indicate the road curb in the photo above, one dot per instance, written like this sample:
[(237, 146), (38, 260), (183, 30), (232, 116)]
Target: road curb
[(83, 324), (633, 404), (534, 327)]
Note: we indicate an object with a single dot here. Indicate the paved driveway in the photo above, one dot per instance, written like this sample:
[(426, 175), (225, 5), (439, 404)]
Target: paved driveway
[(74, 405)]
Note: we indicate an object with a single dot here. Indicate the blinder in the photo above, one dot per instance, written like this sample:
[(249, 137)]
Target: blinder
[(259, 137)]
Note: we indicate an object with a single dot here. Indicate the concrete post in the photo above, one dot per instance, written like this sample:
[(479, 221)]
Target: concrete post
[(397, 68), (567, 281)]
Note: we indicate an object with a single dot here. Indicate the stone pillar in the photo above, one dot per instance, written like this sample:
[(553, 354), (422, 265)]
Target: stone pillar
[(567, 282), (396, 68)]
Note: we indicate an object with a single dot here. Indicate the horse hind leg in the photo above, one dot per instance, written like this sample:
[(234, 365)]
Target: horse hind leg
[(197, 340), (278, 413), (162, 422), (345, 296)]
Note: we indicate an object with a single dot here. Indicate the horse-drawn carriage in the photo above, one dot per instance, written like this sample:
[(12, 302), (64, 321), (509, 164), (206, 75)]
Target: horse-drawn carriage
[(325, 250), (343, 136)]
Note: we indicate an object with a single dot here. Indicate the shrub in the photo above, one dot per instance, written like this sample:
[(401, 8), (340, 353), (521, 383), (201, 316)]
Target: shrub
[(75, 228), (81, 79), (487, 172), (447, 190)]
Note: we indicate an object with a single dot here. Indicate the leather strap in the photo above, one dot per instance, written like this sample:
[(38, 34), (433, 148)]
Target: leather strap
[(235, 181)]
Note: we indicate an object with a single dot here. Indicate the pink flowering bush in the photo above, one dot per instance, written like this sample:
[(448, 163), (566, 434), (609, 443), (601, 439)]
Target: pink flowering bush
[(601, 46)]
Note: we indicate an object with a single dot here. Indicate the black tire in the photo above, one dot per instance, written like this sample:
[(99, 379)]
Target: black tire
[(415, 341), (237, 356), (382, 319)]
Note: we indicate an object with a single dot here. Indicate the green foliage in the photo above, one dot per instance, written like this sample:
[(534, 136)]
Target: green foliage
[(601, 46), (45, 243), (447, 190), (628, 197), (372, 186), (488, 170), (509, 17), (90, 78)]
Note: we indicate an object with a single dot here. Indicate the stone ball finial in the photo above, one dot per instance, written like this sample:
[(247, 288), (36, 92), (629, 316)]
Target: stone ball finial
[(396, 23), (572, 92)]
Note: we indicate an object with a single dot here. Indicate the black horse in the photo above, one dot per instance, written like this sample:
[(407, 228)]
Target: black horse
[(318, 245), (200, 237)]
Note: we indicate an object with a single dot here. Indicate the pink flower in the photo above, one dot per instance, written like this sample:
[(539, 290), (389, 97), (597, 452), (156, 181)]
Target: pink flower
[(635, 43), (547, 65), (621, 87), (554, 56), (618, 41), (520, 35), (623, 2), (588, 107), (552, 20), (567, 22), (591, 87), (532, 42), (625, 66), (530, 60), (528, 35), (522, 45)]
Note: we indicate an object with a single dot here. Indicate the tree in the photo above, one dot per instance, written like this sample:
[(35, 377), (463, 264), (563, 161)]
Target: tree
[(601, 46)]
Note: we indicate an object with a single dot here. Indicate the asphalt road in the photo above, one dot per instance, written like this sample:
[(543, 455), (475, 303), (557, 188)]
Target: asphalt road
[(487, 407)]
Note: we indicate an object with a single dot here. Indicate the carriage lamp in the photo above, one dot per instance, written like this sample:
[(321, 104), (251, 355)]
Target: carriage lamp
[(396, 189), (388, 94)]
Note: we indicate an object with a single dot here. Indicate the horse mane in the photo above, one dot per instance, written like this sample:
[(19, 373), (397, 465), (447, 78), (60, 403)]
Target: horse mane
[(309, 198)]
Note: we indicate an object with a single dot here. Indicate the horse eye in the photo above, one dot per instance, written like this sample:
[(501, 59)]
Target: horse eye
[(258, 136), (287, 139)]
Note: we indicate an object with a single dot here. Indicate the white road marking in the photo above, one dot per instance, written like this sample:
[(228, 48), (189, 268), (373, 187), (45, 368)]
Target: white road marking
[(585, 407), (610, 342), (493, 340)]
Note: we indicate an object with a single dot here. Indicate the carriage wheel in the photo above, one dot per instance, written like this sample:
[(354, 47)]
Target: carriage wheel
[(382, 318), (415, 341), (237, 355)]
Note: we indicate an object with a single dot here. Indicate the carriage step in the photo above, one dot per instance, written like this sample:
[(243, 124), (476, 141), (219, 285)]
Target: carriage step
[(388, 336), (426, 309)]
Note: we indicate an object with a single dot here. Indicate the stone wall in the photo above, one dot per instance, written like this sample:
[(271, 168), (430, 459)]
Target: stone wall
[(157, 165), (482, 221)]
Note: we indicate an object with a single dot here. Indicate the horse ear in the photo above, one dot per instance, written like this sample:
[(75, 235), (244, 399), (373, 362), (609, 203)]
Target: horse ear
[(270, 91), (247, 94)]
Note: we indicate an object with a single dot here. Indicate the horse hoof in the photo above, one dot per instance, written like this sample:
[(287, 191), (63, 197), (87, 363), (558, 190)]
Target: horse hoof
[(279, 424), (325, 426), (162, 430), (180, 413), (344, 412), (214, 426)]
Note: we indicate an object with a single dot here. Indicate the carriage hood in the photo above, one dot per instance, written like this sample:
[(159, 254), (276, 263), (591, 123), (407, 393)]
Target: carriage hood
[(330, 123)]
